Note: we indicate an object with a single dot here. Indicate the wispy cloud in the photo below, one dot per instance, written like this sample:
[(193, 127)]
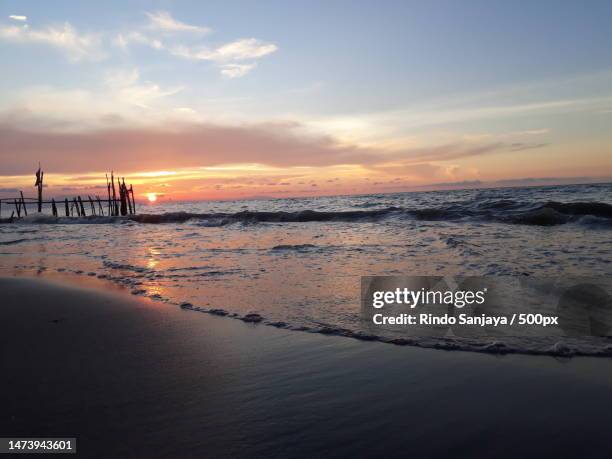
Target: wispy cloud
[(243, 49), (121, 97), (203, 144), (76, 46), (236, 70), (163, 32), (123, 40), (162, 20), (229, 57), (385, 125)]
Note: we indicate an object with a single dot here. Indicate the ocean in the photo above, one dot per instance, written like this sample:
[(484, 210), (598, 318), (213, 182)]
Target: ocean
[(296, 263)]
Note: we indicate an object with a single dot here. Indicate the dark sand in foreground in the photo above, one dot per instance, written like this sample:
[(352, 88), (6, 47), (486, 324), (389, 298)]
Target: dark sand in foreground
[(133, 378)]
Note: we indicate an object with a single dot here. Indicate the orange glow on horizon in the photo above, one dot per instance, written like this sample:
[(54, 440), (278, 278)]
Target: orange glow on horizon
[(249, 181)]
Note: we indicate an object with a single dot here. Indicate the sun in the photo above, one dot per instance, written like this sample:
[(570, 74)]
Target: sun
[(152, 197)]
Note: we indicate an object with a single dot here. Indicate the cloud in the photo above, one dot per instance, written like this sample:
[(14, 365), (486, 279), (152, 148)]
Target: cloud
[(155, 149), (123, 40), (461, 183), (203, 145), (229, 55), (532, 132), (520, 146), (121, 98), (532, 181), (385, 125), (236, 70), (247, 48), (162, 20), (243, 49), (77, 46), (66, 38)]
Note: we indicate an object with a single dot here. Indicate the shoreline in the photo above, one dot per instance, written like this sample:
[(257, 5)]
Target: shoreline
[(555, 350), (131, 376)]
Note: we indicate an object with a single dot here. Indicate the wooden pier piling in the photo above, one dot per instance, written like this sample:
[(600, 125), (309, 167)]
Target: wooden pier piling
[(120, 202), (39, 185), (25, 210)]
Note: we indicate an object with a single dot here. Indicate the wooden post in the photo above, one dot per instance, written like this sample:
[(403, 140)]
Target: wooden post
[(100, 208), (115, 208), (109, 196), (39, 184), (129, 199), (67, 207), (124, 200), (76, 204), (133, 200), (91, 203), (83, 214), (25, 210), (53, 207), (18, 208), (117, 200)]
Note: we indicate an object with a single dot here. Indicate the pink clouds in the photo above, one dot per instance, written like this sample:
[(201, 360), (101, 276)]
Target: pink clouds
[(201, 145)]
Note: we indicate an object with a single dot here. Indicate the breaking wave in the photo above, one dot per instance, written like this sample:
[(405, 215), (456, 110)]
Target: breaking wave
[(502, 211)]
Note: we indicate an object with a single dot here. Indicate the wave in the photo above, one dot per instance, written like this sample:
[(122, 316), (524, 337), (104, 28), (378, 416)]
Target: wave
[(545, 346), (563, 347), (298, 247), (550, 213), (303, 216), (14, 241)]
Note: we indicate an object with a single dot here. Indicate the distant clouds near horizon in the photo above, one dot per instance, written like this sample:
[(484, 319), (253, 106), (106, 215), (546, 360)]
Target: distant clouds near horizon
[(196, 105)]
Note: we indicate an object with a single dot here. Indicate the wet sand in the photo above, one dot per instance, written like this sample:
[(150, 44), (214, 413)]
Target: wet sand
[(130, 377)]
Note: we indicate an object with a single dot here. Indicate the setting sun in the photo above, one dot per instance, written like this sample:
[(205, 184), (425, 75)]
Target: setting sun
[(152, 197)]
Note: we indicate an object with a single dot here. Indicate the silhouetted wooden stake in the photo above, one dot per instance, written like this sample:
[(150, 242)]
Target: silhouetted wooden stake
[(133, 201), (100, 208), (67, 207), (18, 208), (115, 207), (126, 197), (122, 198), (91, 203), (39, 184), (118, 200), (83, 214), (109, 196), (53, 207), (25, 210)]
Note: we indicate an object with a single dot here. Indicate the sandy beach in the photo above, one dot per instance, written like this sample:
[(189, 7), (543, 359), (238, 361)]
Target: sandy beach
[(130, 377)]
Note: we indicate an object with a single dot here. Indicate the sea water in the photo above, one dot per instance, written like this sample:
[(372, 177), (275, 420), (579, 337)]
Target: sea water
[(297, 263)]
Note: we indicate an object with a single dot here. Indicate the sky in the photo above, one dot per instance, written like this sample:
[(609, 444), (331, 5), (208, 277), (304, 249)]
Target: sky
[(226, 99)]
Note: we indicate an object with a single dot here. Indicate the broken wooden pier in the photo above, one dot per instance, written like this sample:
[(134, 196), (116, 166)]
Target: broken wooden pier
[(118, 201)]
